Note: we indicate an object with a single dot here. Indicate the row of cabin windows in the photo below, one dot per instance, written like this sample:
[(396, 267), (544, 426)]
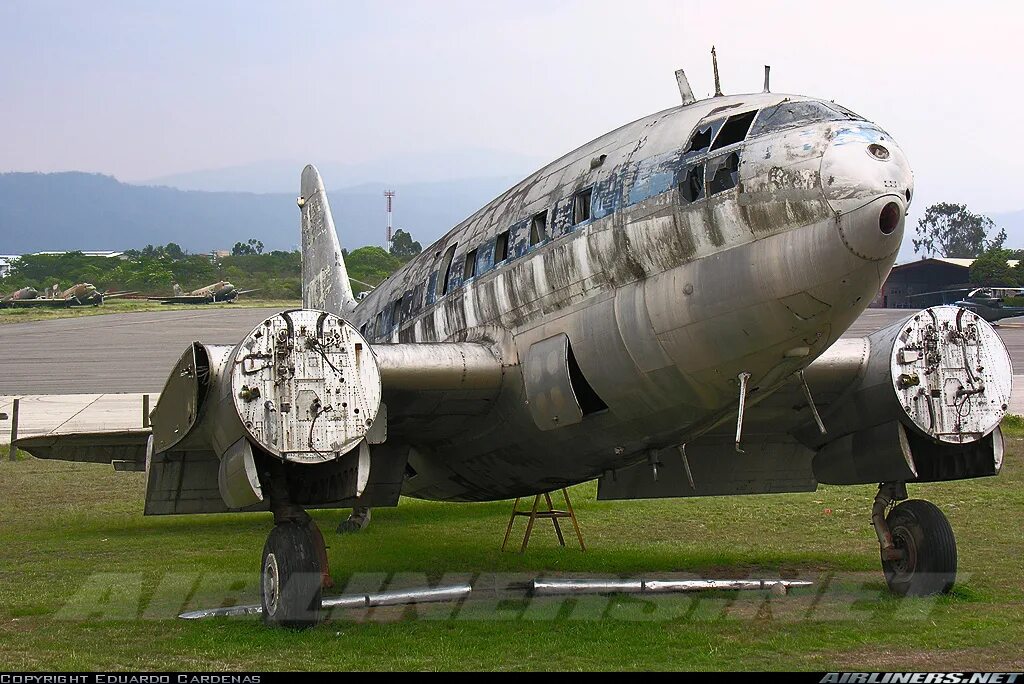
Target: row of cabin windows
[(703, 178), (412, 302)]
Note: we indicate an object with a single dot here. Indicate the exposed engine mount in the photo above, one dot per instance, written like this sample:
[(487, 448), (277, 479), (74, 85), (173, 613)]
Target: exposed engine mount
[(952, 374), (305, 386), (929, 393)]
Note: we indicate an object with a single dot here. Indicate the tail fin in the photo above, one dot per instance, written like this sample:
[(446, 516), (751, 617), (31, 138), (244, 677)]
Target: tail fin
[(325, 284)]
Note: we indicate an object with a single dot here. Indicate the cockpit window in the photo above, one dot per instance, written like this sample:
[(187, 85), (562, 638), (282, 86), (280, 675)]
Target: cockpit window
[(790, 114), (848, 113), (734, 130), (701, 138)]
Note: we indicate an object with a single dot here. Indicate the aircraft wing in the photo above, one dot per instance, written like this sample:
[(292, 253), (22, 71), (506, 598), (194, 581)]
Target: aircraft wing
[(182, 299), (125, 449), (36, 303), (115, 295), (918, 401), (242, 292)]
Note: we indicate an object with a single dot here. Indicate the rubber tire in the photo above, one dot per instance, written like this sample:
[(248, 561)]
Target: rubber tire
[(921, 528), (291, 547)]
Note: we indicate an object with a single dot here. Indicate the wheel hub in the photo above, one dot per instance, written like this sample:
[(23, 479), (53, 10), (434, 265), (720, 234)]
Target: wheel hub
[(905, 563), (271, 584)]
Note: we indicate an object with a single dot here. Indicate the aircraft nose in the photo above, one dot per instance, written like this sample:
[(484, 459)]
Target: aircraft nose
[(868, 183)]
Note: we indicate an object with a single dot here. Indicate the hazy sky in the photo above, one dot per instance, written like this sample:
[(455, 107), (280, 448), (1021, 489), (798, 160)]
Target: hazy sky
[(143, 89)]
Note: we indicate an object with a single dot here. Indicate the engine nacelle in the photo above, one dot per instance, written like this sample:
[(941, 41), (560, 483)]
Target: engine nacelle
[(926, 404), (302, 387)]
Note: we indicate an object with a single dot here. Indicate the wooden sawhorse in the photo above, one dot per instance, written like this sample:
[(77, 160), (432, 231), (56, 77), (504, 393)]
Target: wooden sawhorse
[(550, 514)]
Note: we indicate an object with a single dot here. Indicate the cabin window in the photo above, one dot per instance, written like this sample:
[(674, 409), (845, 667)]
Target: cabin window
[(723, 173), (539, 228), (501, 247), (700, 140), (417, 298), (378, 323), (446, 267), (362, 328), (469, 270), (692, 187), (581, 206), (734, 130), (587, 398), (396, 313)]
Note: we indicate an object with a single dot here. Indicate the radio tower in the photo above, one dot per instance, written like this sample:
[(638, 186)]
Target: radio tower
[(389, 196)]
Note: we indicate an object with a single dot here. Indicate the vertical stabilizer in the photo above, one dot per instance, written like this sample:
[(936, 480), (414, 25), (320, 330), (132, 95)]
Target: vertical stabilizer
[(325, 284)]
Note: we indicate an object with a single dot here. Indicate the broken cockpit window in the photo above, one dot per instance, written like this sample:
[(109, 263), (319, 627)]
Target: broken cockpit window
[(691, 188), (734, 130), (701, 139), (789, 114), (723, 173)]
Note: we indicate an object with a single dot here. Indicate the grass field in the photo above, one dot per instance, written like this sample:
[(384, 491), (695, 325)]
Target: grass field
[(125, 306), (89, 583)]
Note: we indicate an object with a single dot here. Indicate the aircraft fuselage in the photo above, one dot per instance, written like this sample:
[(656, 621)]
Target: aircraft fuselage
[(674, 253)]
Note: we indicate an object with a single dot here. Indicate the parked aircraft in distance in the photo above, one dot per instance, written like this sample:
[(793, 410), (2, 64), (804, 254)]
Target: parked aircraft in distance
[(221, 291), (659, 309), (981, 300), (80, 294)]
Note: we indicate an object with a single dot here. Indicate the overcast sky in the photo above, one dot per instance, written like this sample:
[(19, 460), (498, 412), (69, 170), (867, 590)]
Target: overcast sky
[(144, 89)]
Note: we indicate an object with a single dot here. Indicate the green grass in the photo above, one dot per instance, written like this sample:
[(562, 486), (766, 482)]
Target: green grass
[(61, 524), (127, 306)]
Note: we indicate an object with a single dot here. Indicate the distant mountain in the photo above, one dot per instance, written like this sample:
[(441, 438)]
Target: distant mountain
[(72, 210), (427, 167)]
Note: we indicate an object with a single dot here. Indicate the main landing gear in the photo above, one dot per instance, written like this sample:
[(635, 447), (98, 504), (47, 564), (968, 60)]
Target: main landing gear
[(918, 548), (295, 571)]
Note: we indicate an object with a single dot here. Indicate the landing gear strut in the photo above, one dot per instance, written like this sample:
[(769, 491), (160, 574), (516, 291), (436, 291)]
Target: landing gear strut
[(917, 545), (294, 571), (355, 522)]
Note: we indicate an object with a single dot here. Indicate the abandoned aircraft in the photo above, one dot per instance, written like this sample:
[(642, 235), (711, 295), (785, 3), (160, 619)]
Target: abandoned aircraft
[(80, 294), (221, 291), (659, 309), (981, 300)]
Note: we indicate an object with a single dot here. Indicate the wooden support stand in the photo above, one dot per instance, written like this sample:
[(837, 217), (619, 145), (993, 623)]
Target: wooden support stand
[(550, 514)]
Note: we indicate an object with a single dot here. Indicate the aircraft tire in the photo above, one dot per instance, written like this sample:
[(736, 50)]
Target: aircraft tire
[(290, 582), (923, 533)]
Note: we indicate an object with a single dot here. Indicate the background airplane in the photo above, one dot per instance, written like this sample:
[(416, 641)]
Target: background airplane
[(982, 301), (659, 310), (80, 294), (221, 291)]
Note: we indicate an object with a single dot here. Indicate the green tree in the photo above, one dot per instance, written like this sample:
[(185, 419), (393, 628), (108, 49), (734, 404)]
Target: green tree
[(251, 246), (991, 270), (951, 230), (371, 265), (403, 246)]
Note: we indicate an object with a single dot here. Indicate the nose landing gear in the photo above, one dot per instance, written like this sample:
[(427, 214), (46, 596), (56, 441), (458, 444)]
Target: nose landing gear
[(917, 544)]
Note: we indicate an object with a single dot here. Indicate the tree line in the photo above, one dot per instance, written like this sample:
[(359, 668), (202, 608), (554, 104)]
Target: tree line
[(155, 269), (952, 230)]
